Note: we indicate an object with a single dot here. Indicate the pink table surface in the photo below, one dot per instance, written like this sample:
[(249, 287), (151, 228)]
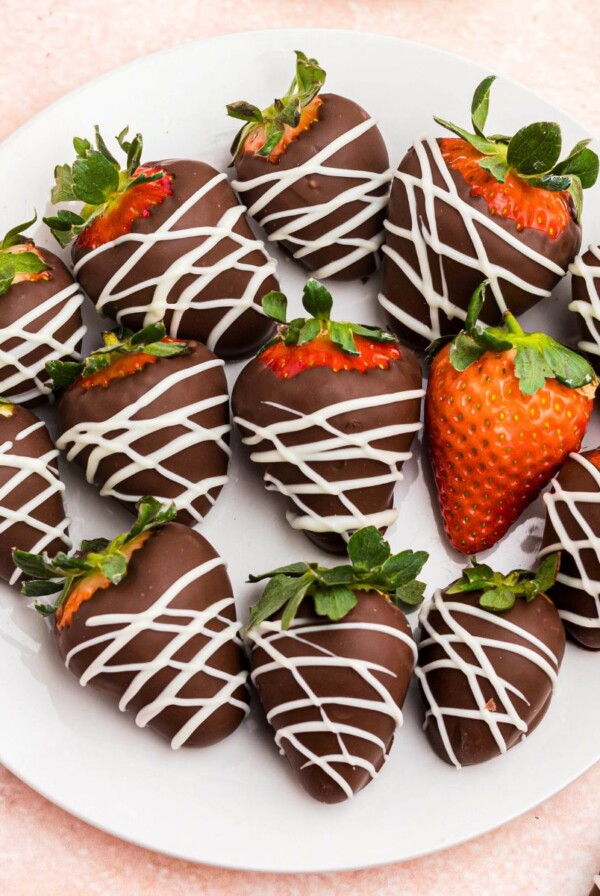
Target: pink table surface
[(47, 49)]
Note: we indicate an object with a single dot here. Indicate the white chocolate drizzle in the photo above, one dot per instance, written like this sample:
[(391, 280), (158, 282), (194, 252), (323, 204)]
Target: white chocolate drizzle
[(589, 309), (184, 624), (63, 305), (559, 502), (424, 237), (267, 635), (45, 467), (293, 221), (335, 446), (478, 668), (208, 238), (120, 433)]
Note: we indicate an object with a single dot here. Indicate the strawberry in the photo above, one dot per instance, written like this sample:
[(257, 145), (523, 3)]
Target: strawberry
[(148, 619), (314, 170), (471, 207), (586, 302), (147, 414), (490, 651), (329, 411), (164, 241), (40, 316), (332, 656), (503, 411)]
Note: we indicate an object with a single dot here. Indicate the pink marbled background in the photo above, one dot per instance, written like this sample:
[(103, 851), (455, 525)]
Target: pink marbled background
[(48, 49)]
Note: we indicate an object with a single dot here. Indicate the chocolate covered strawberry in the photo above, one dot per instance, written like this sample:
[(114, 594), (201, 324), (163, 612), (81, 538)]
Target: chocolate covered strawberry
[(40, 316), (490, 650), (164, 241), (32, 516), (473, 207), (332, 656), (314, 171), (504, 409), (147, 414), (329, 411), (586, 302), (148, 619)]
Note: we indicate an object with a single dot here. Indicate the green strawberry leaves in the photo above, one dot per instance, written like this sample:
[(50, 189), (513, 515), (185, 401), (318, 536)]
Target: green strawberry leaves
[(333, 590), (500, 592), (21, 261)]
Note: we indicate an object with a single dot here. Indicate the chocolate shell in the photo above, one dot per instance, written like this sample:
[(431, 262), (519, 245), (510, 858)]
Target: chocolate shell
[(324, 199), (486, 678), (32, 516), (442, 242), (193, 262), (332, 443), (40, 321), (586, 302), (573, 528), (162, 431), (334, 691), (164, 643)]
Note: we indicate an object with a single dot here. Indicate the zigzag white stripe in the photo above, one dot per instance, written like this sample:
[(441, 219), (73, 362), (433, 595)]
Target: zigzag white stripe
[(589, 310)]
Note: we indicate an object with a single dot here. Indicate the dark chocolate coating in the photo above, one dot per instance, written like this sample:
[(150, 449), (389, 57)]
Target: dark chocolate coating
[(169, 553), (22, 534), (462, 280), (472, 739), (203, 459), (573, 477), (280, 686), (588, 327), (21, 300), (337, 115), (311, 391), (250, 330)]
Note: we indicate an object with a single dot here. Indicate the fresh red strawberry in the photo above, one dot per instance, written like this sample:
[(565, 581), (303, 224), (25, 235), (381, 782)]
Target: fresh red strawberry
[(147, 414), (314, 171), (164, 241), (504, 409), (332, 657), (490, 651), (471, 207), (329, 411), (149, 620)]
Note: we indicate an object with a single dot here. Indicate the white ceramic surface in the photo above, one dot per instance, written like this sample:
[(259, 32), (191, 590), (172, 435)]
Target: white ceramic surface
[(237, 804)]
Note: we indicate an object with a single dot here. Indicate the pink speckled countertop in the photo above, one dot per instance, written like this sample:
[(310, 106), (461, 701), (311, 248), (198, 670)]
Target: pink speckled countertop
[(48, 49)]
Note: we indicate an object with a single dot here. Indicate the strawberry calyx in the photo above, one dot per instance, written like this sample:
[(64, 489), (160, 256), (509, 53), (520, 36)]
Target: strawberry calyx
[(268, 132), (318, 341), (500, 592), (372, 567), (113, 197), (536, 356), (98, 564), (122, 354), (532, 154), (20, 259)]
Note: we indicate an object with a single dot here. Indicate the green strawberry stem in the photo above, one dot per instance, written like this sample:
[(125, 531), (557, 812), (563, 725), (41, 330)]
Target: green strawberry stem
[(537, 356), (333, 590), (500, 592), (532, 153), (21, 262), (317, 300), (147, 341), (286, 111), (64, 572)]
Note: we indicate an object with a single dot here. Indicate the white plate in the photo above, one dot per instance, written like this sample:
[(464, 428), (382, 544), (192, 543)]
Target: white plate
[(237, 804)]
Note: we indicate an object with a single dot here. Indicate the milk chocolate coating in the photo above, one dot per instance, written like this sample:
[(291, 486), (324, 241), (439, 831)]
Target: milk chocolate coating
[(203, 459), (311, 391), (343, 683), (472, 739), (337, 116), (20, 301), (17, 529), (249, 330), (589, 327), (461, 280), (154, 568), (573, 477)]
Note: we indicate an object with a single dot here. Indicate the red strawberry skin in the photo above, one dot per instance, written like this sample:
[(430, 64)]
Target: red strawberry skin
[(492, 448)]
